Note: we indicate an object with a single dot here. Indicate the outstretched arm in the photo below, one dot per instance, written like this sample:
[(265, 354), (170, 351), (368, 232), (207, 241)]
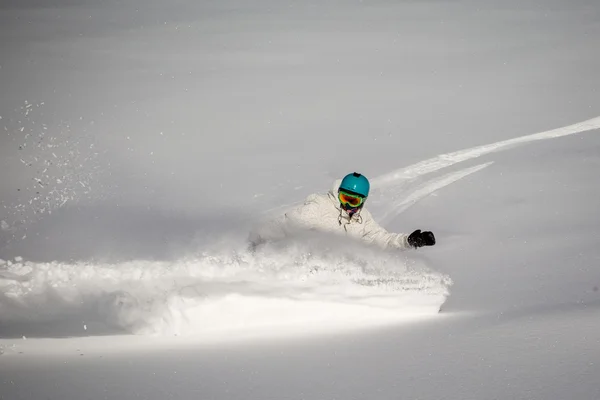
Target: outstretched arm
[(375, 233)]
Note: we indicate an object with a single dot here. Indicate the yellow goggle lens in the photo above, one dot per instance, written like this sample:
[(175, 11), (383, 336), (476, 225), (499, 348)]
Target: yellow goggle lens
[(350, 199)]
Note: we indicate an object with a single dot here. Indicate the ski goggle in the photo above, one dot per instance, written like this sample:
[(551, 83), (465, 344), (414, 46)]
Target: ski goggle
[(350, 200)]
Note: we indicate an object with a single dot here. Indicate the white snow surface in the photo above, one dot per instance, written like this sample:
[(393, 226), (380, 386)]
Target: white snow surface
[(140, 141)]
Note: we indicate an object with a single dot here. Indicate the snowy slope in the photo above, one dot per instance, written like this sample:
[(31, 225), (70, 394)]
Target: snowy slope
[(142, 140)]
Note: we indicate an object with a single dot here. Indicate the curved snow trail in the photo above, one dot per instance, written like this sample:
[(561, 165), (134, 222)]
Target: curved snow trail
[(297, 287), (390, 210), (445, 160)]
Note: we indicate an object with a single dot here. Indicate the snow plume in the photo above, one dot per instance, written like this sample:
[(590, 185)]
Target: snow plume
[(52, 163), (293, 287)]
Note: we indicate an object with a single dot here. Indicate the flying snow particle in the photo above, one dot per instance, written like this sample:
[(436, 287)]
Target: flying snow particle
[(4, 225)]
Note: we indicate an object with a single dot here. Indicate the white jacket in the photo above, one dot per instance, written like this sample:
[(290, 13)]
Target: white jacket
[(322, 212)]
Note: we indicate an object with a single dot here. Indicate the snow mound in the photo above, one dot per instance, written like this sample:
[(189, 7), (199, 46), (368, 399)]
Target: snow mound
[(280, 288)]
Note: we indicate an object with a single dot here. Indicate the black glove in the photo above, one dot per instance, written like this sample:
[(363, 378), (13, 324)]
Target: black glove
[(420, 239)]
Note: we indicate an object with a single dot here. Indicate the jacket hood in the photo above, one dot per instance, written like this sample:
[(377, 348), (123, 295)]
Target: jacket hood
[(333, 193), (335, 187)]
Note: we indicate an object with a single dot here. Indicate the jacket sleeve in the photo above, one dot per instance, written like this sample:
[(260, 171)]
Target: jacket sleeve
[(376, 234)]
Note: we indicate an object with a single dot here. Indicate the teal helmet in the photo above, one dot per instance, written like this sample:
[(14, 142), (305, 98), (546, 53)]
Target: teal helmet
[(356, 183)]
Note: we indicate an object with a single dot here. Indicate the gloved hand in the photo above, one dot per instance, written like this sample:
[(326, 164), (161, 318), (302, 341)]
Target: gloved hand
[(420, 239)]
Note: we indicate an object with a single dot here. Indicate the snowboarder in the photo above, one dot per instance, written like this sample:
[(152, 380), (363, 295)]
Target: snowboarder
[(342, 211)]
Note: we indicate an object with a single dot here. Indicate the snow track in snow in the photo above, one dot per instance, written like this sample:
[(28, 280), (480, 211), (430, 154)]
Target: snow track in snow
[(400, 197), (446, 160), (395, 191)]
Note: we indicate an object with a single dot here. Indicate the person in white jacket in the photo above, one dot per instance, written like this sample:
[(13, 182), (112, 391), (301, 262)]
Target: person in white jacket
[(341, 211)]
